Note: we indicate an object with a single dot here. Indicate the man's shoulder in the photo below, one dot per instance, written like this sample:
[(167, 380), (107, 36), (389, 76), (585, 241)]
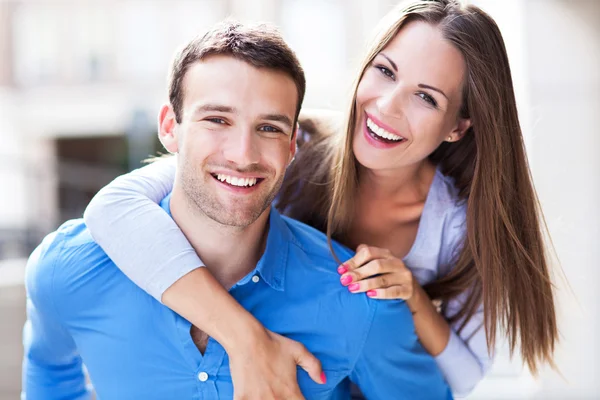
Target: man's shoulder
[(63, 260), (314, 243), (71, 243), (353, 307)]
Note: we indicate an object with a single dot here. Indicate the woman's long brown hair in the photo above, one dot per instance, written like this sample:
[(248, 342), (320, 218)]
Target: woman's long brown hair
[(503, 261)]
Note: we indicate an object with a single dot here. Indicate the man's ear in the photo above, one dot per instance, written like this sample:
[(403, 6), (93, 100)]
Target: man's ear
[(167, 125), (462, 125), (294, 144)]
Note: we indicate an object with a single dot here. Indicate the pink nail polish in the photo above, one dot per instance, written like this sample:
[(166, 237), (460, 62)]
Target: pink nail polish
[(346, 280), (372, 293), (323, 377), (342, 269), (354, 287)]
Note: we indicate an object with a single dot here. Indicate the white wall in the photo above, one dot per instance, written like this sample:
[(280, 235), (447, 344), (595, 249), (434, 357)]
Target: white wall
[(554, 50), (13, 210), (563, 41)]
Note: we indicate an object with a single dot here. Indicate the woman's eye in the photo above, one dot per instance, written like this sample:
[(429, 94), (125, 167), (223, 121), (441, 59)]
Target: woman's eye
[(427, 98), (385, 71), (216, 120)]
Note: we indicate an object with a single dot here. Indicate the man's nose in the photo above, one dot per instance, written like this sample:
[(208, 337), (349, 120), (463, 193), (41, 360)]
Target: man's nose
[(243, 148)]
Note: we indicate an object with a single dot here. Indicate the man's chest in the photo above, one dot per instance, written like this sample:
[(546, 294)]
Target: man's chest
[(199, 338), (158, 354), (138, 360)]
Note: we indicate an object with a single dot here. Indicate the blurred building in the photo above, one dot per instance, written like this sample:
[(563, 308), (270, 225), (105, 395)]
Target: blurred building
[(81, 83)]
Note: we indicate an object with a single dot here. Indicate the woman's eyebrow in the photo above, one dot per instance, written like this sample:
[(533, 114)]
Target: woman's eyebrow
[(394, 66), (424, 86)]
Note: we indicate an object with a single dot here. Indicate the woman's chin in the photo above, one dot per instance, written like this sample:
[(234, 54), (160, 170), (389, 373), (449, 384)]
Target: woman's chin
[(370, 161)]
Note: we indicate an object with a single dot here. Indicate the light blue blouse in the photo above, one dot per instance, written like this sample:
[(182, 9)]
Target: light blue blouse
[(125, 219)]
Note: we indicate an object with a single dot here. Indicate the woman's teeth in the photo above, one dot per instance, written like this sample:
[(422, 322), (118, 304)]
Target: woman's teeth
[(232, 180), (379, 131)]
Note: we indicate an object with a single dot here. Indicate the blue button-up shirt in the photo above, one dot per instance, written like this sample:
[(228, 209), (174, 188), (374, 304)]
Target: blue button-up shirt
[(81, 307)]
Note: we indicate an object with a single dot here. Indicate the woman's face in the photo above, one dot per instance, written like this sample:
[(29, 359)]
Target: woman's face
[(409, 99)]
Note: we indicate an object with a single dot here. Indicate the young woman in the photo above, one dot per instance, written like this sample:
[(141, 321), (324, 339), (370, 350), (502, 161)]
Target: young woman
[(427, 178)]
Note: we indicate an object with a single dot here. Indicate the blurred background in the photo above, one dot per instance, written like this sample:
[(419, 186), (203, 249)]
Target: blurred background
[(81, 83)]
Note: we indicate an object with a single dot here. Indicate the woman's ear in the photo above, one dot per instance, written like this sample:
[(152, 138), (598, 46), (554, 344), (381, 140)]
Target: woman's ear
[(459, 130)]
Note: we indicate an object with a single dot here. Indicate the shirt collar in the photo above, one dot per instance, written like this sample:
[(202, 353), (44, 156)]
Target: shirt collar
[(273, 263)]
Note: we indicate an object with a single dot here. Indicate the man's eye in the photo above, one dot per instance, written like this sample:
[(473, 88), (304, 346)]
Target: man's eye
[(216, 120), (269, 128)]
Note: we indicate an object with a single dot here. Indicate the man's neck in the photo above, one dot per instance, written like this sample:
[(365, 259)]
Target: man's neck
[(230, 253)]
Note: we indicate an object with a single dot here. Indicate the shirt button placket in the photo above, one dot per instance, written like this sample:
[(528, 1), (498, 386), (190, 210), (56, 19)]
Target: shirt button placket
[(206, 385), (208, 368), (202, 376)]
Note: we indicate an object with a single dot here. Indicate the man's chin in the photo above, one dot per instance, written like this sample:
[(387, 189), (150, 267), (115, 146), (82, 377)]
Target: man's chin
[(240, 223), (236, 217)]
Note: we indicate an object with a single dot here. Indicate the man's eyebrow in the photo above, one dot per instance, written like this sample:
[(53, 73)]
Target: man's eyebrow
[(278, 118), (210, 107)]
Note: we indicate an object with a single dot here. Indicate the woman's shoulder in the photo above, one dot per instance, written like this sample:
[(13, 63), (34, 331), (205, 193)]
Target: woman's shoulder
[(444, 191), (444, 204), (441, 230), (451, 210)]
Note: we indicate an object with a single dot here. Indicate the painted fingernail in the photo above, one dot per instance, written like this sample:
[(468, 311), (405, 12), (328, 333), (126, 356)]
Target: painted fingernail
[(372, 293), (346, 280), (342, 269), (323, 377), (354, 287)]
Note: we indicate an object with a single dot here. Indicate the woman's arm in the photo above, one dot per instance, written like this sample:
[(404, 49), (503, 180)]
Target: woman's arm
[(124, 219), (463, 358), (431, 327), (148, 246)]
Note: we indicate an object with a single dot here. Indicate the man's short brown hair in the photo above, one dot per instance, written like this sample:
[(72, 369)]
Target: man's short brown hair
[(261, 46)]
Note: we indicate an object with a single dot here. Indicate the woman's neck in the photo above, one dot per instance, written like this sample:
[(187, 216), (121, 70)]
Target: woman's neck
[(408, 183)]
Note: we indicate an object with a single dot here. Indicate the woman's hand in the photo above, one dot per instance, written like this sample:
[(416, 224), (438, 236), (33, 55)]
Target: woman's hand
[(264, 367), (378, 273), (382, 276)]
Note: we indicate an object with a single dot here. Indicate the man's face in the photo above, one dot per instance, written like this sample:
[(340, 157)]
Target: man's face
[(235, 139)]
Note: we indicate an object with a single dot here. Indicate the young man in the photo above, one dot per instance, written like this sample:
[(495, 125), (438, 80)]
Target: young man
[(235, 96)]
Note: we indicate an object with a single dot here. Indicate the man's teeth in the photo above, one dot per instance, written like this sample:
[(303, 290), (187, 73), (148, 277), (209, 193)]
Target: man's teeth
[(232, 180), (379, 131)]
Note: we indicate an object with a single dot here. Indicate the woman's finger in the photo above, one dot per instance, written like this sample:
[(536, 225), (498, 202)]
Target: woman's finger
[(378, 282), (372, 269), (364, 255), (360, 246), (403, 292)]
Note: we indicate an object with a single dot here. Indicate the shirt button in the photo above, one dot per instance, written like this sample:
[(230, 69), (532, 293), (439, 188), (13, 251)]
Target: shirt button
[(255, 279), (202, 376)]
